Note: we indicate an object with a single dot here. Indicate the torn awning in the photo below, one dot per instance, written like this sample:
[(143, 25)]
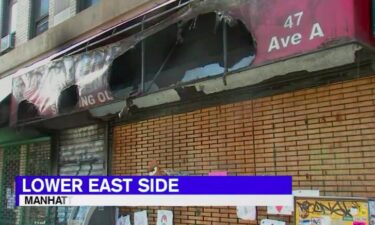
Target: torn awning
[(67, 84), (51, 87), (79, 82)]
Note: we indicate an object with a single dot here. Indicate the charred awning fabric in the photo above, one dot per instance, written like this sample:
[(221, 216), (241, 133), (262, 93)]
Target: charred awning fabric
[(65, 84), (80, 81), (185, 42)]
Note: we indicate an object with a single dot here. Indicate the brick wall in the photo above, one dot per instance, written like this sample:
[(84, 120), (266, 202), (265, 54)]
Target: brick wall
[(58, 13), (324, 137), (23, 21)]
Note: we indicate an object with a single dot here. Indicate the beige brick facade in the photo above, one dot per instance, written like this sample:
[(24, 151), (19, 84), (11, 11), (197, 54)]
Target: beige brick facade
[(324, 137), (57, 17), (23, 22)]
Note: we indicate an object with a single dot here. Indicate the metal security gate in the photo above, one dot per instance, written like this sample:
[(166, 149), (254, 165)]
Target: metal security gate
[(38, 163), (10, 169), (82, 152), (24, 159)]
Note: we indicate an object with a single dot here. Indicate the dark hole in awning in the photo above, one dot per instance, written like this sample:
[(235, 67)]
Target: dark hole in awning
[(125, 72), (200, 52), (240, 45), (183, 53), (27, 111), (68, 99)]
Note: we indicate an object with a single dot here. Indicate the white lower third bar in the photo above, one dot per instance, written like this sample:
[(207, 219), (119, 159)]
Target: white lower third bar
[(155, 200)]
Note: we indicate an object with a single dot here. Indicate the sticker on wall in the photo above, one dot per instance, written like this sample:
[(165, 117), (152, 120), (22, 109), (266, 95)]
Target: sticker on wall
[(288, 210), (218, 173), (359, 223), (324, 220), (123, 220), (140, 218), (8, 193), (372, 207), (372, 212), (306, 193), (165, 217), (247, 212), (10, 199), (271, 222), (280, 210)]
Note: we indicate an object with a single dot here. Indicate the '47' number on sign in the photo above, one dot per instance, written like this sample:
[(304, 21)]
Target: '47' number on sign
[(293, 20)]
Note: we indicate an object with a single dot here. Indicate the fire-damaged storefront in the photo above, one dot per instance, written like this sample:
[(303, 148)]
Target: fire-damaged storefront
[(205, 87), (22, 152)]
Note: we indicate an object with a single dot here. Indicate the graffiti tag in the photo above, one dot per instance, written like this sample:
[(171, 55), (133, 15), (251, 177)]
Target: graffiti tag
[(343, 209)]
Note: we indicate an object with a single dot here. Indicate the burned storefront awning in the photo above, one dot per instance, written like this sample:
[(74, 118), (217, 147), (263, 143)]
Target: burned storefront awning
[(175, 46), (11, 136), (167, 49)]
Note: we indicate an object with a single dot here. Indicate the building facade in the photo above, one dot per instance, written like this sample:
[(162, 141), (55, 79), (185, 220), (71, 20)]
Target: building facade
[(246, 87)]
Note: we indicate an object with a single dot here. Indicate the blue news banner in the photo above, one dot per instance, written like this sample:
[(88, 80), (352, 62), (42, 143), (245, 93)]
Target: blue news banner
[(154, 191)]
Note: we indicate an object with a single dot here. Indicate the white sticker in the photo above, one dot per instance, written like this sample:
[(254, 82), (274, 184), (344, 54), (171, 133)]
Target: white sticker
[(140, 218), (247, 212), (123, 220), (271, 222), (165, 217)]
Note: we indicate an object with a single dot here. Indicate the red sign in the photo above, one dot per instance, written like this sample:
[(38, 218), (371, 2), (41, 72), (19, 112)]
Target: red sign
[(283, 28)]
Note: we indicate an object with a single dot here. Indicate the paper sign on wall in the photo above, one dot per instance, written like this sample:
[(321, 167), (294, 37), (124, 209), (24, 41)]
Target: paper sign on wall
[(123, 220), (8, 193), (271, 222), (288, 210), (372, 211), (280, 210), (10, 199), (165, 217), (140, 218), (331, 211), (306, 193), (247, 212)]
